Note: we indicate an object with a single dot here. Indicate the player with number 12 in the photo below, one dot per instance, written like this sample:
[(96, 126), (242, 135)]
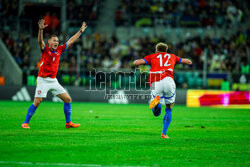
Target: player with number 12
[(161, 80)]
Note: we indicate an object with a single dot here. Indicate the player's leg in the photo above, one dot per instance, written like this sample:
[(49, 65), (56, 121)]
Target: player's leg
[(60, 92), (31, 112), (67, 110), (155, 105), (41, 92), (167, 120), (169, 98), (67, 105)]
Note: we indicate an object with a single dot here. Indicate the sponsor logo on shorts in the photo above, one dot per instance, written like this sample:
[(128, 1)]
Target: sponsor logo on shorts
[(39, 92)]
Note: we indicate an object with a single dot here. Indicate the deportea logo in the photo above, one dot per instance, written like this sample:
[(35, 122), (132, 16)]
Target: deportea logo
[(113, 83)]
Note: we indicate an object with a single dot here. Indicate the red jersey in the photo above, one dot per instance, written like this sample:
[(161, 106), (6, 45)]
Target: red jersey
[(50, 61), (162, 65)]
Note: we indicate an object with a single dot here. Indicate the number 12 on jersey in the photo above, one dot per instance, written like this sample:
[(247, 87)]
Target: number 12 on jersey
[(161, 61)]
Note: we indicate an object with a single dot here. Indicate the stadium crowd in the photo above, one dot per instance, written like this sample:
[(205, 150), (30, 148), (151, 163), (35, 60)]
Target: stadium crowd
[(223, 54), (83, 10), (19, 47), (19, 44), (76, 9), (178, 13), (100, 51), (7, 9)]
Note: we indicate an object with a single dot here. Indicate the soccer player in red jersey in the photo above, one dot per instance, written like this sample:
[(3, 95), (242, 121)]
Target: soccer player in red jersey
[(161, 80), (46, 80)]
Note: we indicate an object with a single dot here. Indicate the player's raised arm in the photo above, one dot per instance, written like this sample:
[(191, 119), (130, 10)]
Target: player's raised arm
[(77, 35), (40, 33), (139, 62), (186, 61)]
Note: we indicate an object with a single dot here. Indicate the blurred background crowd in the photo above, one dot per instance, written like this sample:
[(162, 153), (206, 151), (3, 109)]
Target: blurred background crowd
[(106, 51), (176, 13)]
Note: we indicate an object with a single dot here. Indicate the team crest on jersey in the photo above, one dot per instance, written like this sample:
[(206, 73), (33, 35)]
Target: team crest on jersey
[(39, 92)]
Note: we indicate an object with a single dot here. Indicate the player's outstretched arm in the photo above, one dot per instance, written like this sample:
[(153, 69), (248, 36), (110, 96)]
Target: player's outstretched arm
[(139, 62), (40, 33), (77, 35), (186, 61)]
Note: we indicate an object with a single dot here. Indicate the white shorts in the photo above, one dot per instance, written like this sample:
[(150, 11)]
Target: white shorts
[(48, 84), (164, 88)]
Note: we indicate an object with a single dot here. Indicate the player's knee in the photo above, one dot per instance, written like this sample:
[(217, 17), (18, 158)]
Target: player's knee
[(37, 101), (67, 100)]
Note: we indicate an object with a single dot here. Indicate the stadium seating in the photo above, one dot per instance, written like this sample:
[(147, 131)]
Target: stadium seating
[(181, 13), (2, 80), (86, 10)]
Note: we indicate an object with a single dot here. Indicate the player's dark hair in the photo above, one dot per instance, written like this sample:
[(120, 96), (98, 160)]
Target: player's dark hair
[(161, 47), (53, 35)]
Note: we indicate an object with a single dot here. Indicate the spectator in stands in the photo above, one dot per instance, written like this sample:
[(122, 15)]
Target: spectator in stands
[(234, 15), (98, 46), (215, 64), (73, 65), (83, 10), (118, 54), (18, 46), (2, 79), (93, 14), (191, 13), (245, 67), (107, 63), (7, 9), (18, 58), (47, 19), (119, 17), (54, 20)]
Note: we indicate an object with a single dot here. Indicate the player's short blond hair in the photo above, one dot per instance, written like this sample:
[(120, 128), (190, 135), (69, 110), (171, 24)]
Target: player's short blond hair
[(161, 47)]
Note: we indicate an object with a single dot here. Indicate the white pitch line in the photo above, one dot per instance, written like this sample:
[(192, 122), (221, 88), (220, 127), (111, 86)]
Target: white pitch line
[(61, 164)]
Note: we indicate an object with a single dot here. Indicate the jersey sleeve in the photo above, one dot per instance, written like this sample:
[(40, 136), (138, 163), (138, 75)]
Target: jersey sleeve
[(63, 48), (177, 60), (147, 59)]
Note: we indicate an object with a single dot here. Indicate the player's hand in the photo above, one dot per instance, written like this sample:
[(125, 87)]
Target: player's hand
[(41, 24), (84, 26)]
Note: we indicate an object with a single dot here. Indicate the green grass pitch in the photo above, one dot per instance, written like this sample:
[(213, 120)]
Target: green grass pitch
[(120, 135)]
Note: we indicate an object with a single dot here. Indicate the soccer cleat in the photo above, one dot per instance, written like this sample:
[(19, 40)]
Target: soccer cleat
[(25, 126), (71, 125), (154, 102), (164, 136)]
